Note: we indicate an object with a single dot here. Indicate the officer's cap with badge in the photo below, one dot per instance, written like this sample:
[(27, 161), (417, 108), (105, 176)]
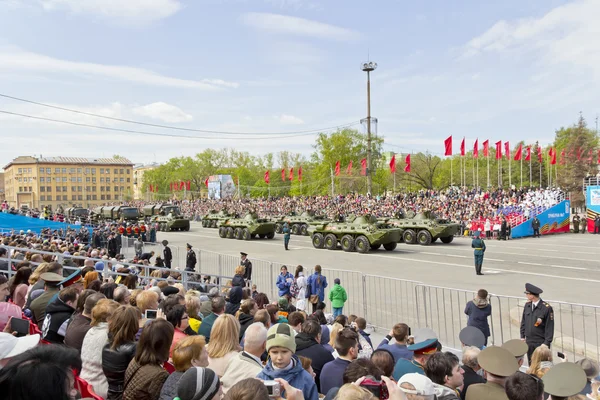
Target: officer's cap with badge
[(72, 279), (51, 279), (472, 336), (529, 288), (564, 380), (498, 361), (426, 342), (243, 254), (517, 347)]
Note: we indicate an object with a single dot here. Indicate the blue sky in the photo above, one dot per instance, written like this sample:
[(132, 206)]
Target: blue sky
[(510, 70)]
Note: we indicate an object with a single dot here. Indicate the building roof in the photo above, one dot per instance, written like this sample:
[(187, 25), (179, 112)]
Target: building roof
[(69, 160)]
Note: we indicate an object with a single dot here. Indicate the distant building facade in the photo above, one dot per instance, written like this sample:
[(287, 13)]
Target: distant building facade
[(138, 180), (67, 181)]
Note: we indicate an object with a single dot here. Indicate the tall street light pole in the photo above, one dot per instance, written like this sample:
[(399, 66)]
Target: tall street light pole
[(368, 67)]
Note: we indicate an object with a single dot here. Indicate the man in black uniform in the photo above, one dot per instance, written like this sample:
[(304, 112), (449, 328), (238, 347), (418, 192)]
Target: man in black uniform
[(537, 325), (535, 224), (576, 220), (248, 268), (167, 254), (112, 246), (190, 260)]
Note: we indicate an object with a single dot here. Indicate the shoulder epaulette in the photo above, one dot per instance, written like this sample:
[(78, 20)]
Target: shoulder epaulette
[(546, 304)]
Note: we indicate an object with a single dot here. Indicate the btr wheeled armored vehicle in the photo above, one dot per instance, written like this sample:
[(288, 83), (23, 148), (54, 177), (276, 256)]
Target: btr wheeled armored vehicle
[(247, 228), (424, 227), (213, 219), (168, 217), (299, 224)]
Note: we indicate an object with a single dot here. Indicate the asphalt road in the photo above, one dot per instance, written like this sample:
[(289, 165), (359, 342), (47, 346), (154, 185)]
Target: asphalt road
[(566, 267)]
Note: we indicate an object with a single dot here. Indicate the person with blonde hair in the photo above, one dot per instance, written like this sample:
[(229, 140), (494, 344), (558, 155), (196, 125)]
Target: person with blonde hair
[(335, 329), (541, 361), (93, 343), (350, 391), (224, 343), (89, 278), (192, 305), (189, 352), (147, 300), (246, 315)]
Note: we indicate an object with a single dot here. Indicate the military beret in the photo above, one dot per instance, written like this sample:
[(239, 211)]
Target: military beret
[(517, 347), (472, 336), (498, 361), (533, 289), (564, 380)]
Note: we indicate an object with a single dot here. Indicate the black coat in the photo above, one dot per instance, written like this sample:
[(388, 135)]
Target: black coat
[(57, 314), (544, 332), (307, 346), (114, 365), (470, 378), (112, 247), (190, 260), (245, 321), (248, 271), (167, 255)]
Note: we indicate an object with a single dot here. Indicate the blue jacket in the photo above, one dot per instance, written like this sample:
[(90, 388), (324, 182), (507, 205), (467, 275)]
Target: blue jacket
[(283, 285), (316, 284), (296, 377), (478, 317), (332, 374), (398, 350)]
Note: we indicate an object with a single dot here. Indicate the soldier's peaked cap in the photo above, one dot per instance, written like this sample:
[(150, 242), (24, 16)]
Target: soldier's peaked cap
[(533, 289), (498, 361), (564, 380), (244, 254), (472, 336), (517, 347)]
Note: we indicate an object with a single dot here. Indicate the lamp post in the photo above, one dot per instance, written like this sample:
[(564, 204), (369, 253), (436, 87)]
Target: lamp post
[(368, 67)]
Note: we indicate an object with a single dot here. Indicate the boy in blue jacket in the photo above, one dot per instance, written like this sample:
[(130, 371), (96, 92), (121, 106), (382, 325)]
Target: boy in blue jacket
[(284, 364)]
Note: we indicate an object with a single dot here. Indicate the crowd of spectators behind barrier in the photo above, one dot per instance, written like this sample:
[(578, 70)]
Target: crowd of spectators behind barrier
[(130, 336)]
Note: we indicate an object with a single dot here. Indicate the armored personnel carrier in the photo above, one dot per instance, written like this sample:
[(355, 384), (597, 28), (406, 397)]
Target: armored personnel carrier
[(74, 213), (247, 228), (213, 218), (299, 224), (356, 233), (424, 228), (115, 213), (168, 217)]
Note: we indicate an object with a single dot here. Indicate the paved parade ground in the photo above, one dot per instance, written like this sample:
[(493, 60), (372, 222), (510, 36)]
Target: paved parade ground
[(566, 267)]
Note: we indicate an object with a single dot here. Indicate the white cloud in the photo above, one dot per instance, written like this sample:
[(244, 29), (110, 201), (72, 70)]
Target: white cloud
[(287, 25), (141, 11), (14, 59), (285, 119), (163, 112)]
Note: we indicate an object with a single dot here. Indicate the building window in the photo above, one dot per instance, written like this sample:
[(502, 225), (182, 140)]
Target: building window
[(94, 180), (20, 179), (102, 171), (20, 188), (87, 188), (49, 198), (87, 170), (42, 170), (108, 197), (102, 188), (42, 188), (73, 179), (64, 179), (122, 188), (42, 198), (79, 188), (48, 170), (116, 171), (128, 180), (116, 188), (79, 179), (48, 188), (64, 171), (64, 197), (79, 197), (20, 170), (88, 197), (73, 197), (88, 179), (79, 170), (93, 188), (28, 170), (93, 171), (121, 171), (94, 197), (57, 170), (59, 189), (102, 197), (73, 189), (72, 170), (108, 188), (122, 180), (42, 179), (64, 188), (101, 180)]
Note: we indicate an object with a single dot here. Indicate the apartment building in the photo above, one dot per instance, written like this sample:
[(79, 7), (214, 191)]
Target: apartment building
[(138, 180), (67, 181)]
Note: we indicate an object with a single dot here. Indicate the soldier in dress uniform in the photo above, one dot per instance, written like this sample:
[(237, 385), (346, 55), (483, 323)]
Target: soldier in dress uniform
[(167, 254), (244, 262), (564, 380), (479, 247), (190, 259), (498, 364), (535, 225), (576, 220), (426, 344), (537, 324)]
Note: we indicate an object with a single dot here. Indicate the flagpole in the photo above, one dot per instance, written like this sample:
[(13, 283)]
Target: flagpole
[(488, 170), (332, 182), (451, 175), (473, 165), (509, 170), (477, 171), (530, 170), (521, 168)]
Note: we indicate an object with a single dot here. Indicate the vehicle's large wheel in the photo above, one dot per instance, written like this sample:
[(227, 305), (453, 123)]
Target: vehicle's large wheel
[(390, 246), (375, 246), (318, 241), (237, 233), (424, 237), (447, 239), (362, 244), (330, 241), (229, 233), (245, 234), (223, 232), (278, 228), (304, 230), (270, 235), (187, 228), (203, 223), (213, 223), (347, 243), (409, 236)]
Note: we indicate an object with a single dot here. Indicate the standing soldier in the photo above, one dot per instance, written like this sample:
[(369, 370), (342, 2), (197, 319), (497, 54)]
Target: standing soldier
[(136, 231), (576, 223), (583, 224), (143, 231), (597, 224), (167, 254), (479, 246), (286, 235), (128, 230), (535, 224), (138, 246), (244, 262), (190, 259), (537, 325)]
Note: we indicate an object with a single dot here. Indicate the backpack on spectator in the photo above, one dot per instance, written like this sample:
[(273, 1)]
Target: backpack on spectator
[(294, 289)]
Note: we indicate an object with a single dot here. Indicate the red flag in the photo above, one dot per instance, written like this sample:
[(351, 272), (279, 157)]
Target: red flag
[(181, 185), (552, 154), (291, 177), (528, 156), (507, 150), (499, 150), (188, 185), (539, 154), (590, 156), (448, 146), (337, 168), (393, 164), (598, 156), (267, 177), (407, 160), (579, 153), (519, 152), (476, 149), (206, 182), (486, 148), (300, 174), (363, 166), (562, 158), (349, 169), (283, 174), (462, 148), (150, 188)]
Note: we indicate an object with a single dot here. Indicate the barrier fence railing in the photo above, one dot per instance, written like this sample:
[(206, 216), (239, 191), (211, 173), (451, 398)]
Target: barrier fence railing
[(384, 301)]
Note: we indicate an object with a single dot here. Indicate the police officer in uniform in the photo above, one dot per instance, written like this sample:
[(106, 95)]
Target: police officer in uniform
[(190, 259), (537, 324), (244, 262), (167, 254), (479, 251), (535, 224)]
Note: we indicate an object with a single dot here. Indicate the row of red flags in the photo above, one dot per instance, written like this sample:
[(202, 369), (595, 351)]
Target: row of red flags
[(284, 173), (518, 153)]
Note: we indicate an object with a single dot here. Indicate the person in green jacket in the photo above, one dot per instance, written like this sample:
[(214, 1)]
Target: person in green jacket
[(338, 297)]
